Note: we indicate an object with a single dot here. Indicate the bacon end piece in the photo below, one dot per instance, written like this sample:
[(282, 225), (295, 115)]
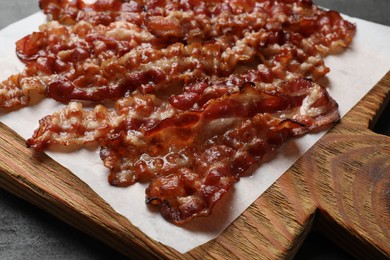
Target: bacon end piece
[(73, 126)]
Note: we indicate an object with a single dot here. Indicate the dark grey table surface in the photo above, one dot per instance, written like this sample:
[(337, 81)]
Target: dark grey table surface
[(26, 232)]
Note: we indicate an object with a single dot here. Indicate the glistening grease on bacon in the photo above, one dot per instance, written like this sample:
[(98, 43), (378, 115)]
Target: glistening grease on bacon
[(203, 90)]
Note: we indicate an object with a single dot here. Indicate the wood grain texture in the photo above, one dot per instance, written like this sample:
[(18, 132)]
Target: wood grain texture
[(341, 187)]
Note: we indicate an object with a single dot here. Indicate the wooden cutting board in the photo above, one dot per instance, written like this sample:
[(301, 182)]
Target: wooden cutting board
[(340, 188)]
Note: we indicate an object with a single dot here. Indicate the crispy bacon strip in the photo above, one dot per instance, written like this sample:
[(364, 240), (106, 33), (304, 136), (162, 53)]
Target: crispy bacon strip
[(101, 12), (77, 63), (73, 126), (194, 189)]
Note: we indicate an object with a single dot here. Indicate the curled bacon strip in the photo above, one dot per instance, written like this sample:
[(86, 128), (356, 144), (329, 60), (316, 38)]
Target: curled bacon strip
[(101, 12), (73, 126), (192, 191), (202, 90)]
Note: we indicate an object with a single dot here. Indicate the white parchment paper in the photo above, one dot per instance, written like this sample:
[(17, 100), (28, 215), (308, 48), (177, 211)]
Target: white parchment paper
[(353, 74)]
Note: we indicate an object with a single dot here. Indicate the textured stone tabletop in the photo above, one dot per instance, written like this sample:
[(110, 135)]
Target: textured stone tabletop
[(26, 232)]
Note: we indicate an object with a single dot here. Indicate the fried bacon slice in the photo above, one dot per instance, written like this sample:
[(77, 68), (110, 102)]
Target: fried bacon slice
[(74, 125), (187, 96), (77, 63), (194, 188), (104, 12)]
